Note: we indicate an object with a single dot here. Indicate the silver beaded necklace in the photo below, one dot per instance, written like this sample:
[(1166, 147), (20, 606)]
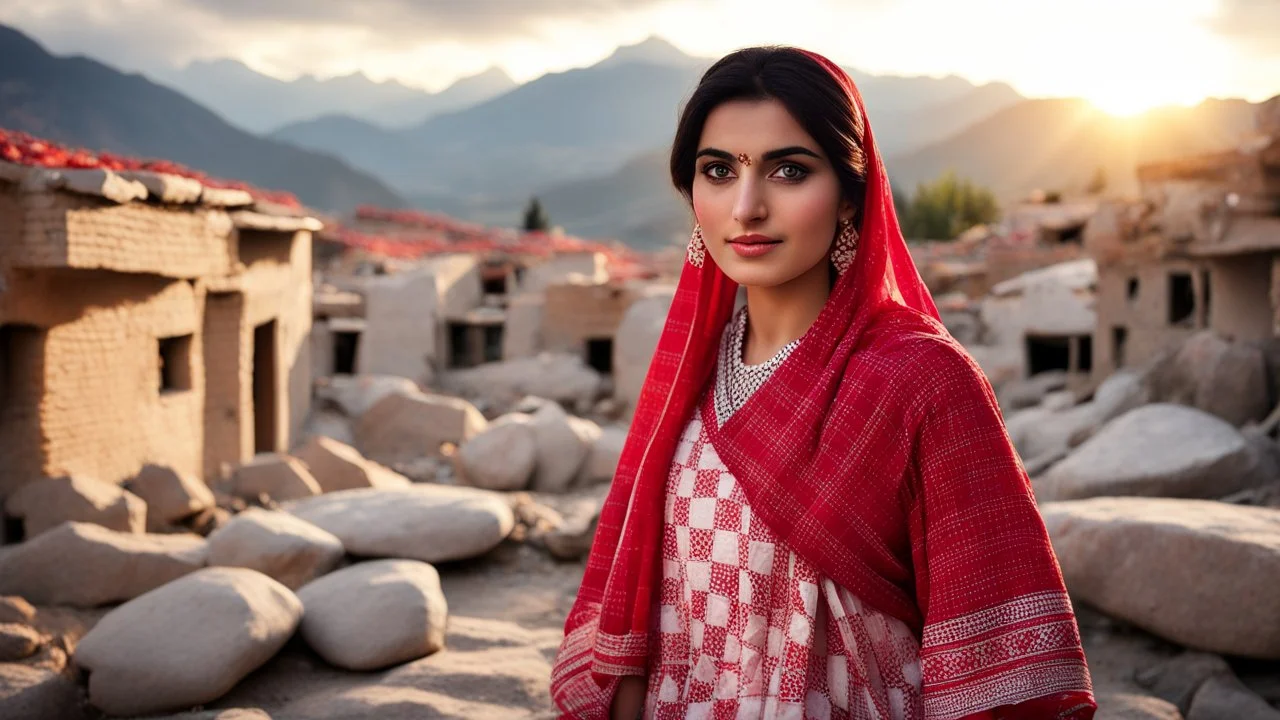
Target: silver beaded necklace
[(737, 381)]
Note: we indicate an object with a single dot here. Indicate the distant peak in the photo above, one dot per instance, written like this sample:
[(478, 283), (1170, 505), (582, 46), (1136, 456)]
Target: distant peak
[(652, 49)]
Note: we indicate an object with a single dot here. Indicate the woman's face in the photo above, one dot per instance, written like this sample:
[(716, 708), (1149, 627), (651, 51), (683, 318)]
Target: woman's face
[(766, 195)]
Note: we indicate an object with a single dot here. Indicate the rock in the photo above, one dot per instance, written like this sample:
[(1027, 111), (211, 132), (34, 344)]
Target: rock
[(39, 694), (1129, 556), (18, 642), (401, 427), (1059, 400), (336, 466), (563, 442), (1224, 696), (276, 544), (1040, 431), (603, 455), (558, 377), (375, 614), (1178, 678), (330, 424), (503, 457), (1030, 392), (86, 565), (14, 609), (49, 502), (1131, 706), (355, 394), (431, 523), (1220, 377), (275, 475), (635, 342), (1157, 450), (572, 539), (171, 497), (187, 643)]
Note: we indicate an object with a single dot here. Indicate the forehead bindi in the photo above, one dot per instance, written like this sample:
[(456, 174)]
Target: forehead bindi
[(753, 127)]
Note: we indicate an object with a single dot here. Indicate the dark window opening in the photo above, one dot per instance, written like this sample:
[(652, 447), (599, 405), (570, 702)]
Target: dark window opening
[(265, 386), (1131, 291), (14, 530), (600, 355), (1182, 299), (492, 343), (495, 285), (1045, 353), (345, 347), (459, 354), (1071, 235), (1119, 339), (175, 363), (1084, 353)]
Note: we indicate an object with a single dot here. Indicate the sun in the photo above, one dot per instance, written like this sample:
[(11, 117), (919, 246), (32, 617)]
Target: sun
[(1126, 94)]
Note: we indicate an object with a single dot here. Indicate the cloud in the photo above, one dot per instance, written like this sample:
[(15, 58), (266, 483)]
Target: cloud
[(1255, 24)]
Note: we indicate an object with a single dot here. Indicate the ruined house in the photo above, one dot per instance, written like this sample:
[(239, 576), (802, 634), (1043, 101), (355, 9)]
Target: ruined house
[(1201, 249), (145, 317)]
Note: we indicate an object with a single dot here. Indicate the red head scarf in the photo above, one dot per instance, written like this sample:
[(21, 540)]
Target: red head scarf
[(876, 451)]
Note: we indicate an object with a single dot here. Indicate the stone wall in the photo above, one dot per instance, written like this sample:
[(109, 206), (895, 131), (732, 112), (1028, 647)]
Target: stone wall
[(1240, 305), (64, 230), (575, 313), (1133, 307)]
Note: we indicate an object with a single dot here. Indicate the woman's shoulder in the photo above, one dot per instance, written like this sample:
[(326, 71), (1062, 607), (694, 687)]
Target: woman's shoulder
[(917, 360)]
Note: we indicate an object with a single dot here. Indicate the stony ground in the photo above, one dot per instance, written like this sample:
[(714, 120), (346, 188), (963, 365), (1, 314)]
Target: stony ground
[(506, 615)]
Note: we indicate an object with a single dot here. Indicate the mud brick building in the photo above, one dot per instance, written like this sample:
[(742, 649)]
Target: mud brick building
[(144, 318), (1201, 249)]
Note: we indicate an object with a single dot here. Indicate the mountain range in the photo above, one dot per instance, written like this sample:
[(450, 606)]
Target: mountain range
[(590, 142), (80, 102), (260, 103)]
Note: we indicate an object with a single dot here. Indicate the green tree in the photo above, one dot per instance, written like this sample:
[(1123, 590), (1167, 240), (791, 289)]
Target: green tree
[(946, 207), (535, 218)]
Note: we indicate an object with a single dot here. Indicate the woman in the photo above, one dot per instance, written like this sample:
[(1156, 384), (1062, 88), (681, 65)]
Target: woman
[(817, 512)]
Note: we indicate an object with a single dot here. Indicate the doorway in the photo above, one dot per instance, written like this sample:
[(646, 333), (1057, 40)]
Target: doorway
[(265, 388)]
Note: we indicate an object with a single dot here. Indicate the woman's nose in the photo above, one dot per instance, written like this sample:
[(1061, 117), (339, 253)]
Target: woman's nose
[(749, 206)]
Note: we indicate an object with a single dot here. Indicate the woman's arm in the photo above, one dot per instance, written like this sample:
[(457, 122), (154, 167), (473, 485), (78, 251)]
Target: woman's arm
[(628, 702)]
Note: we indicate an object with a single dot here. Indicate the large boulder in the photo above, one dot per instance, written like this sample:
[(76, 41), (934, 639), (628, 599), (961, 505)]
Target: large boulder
[(49, 502), (291, 551), (170, 496), (503, 457), (1218, 376), (86, 565), (563, 442), (375, 614), (1158, 450), (1198, 573), (276, 475), (1224, 696), (602, 457), (635, 342), (431, 523), (554, 376), (1030, 392), (355, 394), (337, 466), (402, 427), (1132, 706), (187, 643)]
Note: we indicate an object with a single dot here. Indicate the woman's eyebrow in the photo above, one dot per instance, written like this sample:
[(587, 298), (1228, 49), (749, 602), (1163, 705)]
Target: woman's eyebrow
[(713, 152), (792, 150)]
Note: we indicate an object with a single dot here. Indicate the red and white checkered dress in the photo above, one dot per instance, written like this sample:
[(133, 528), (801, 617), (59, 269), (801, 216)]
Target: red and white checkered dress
[(747, 628)]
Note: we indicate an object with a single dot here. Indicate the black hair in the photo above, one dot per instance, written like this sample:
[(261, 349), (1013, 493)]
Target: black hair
[(809, 92)]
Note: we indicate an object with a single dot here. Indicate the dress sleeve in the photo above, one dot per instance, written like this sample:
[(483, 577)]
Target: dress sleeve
[(999, 635)]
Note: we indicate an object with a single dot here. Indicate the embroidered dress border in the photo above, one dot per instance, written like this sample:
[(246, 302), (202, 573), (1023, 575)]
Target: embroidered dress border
[(1018, 610), (1031, 681), (616, 646)]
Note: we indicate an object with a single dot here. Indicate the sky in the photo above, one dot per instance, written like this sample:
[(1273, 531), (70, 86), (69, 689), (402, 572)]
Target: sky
[(1125, 55)]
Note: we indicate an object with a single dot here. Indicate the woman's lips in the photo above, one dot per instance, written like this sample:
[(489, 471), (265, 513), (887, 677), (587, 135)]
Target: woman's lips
[(753, 245)]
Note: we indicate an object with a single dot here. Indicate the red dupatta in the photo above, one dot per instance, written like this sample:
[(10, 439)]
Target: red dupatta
[(877, 452)]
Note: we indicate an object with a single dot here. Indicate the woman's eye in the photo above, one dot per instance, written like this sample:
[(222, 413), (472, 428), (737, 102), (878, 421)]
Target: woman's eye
[(790, 172), (716, 171)]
